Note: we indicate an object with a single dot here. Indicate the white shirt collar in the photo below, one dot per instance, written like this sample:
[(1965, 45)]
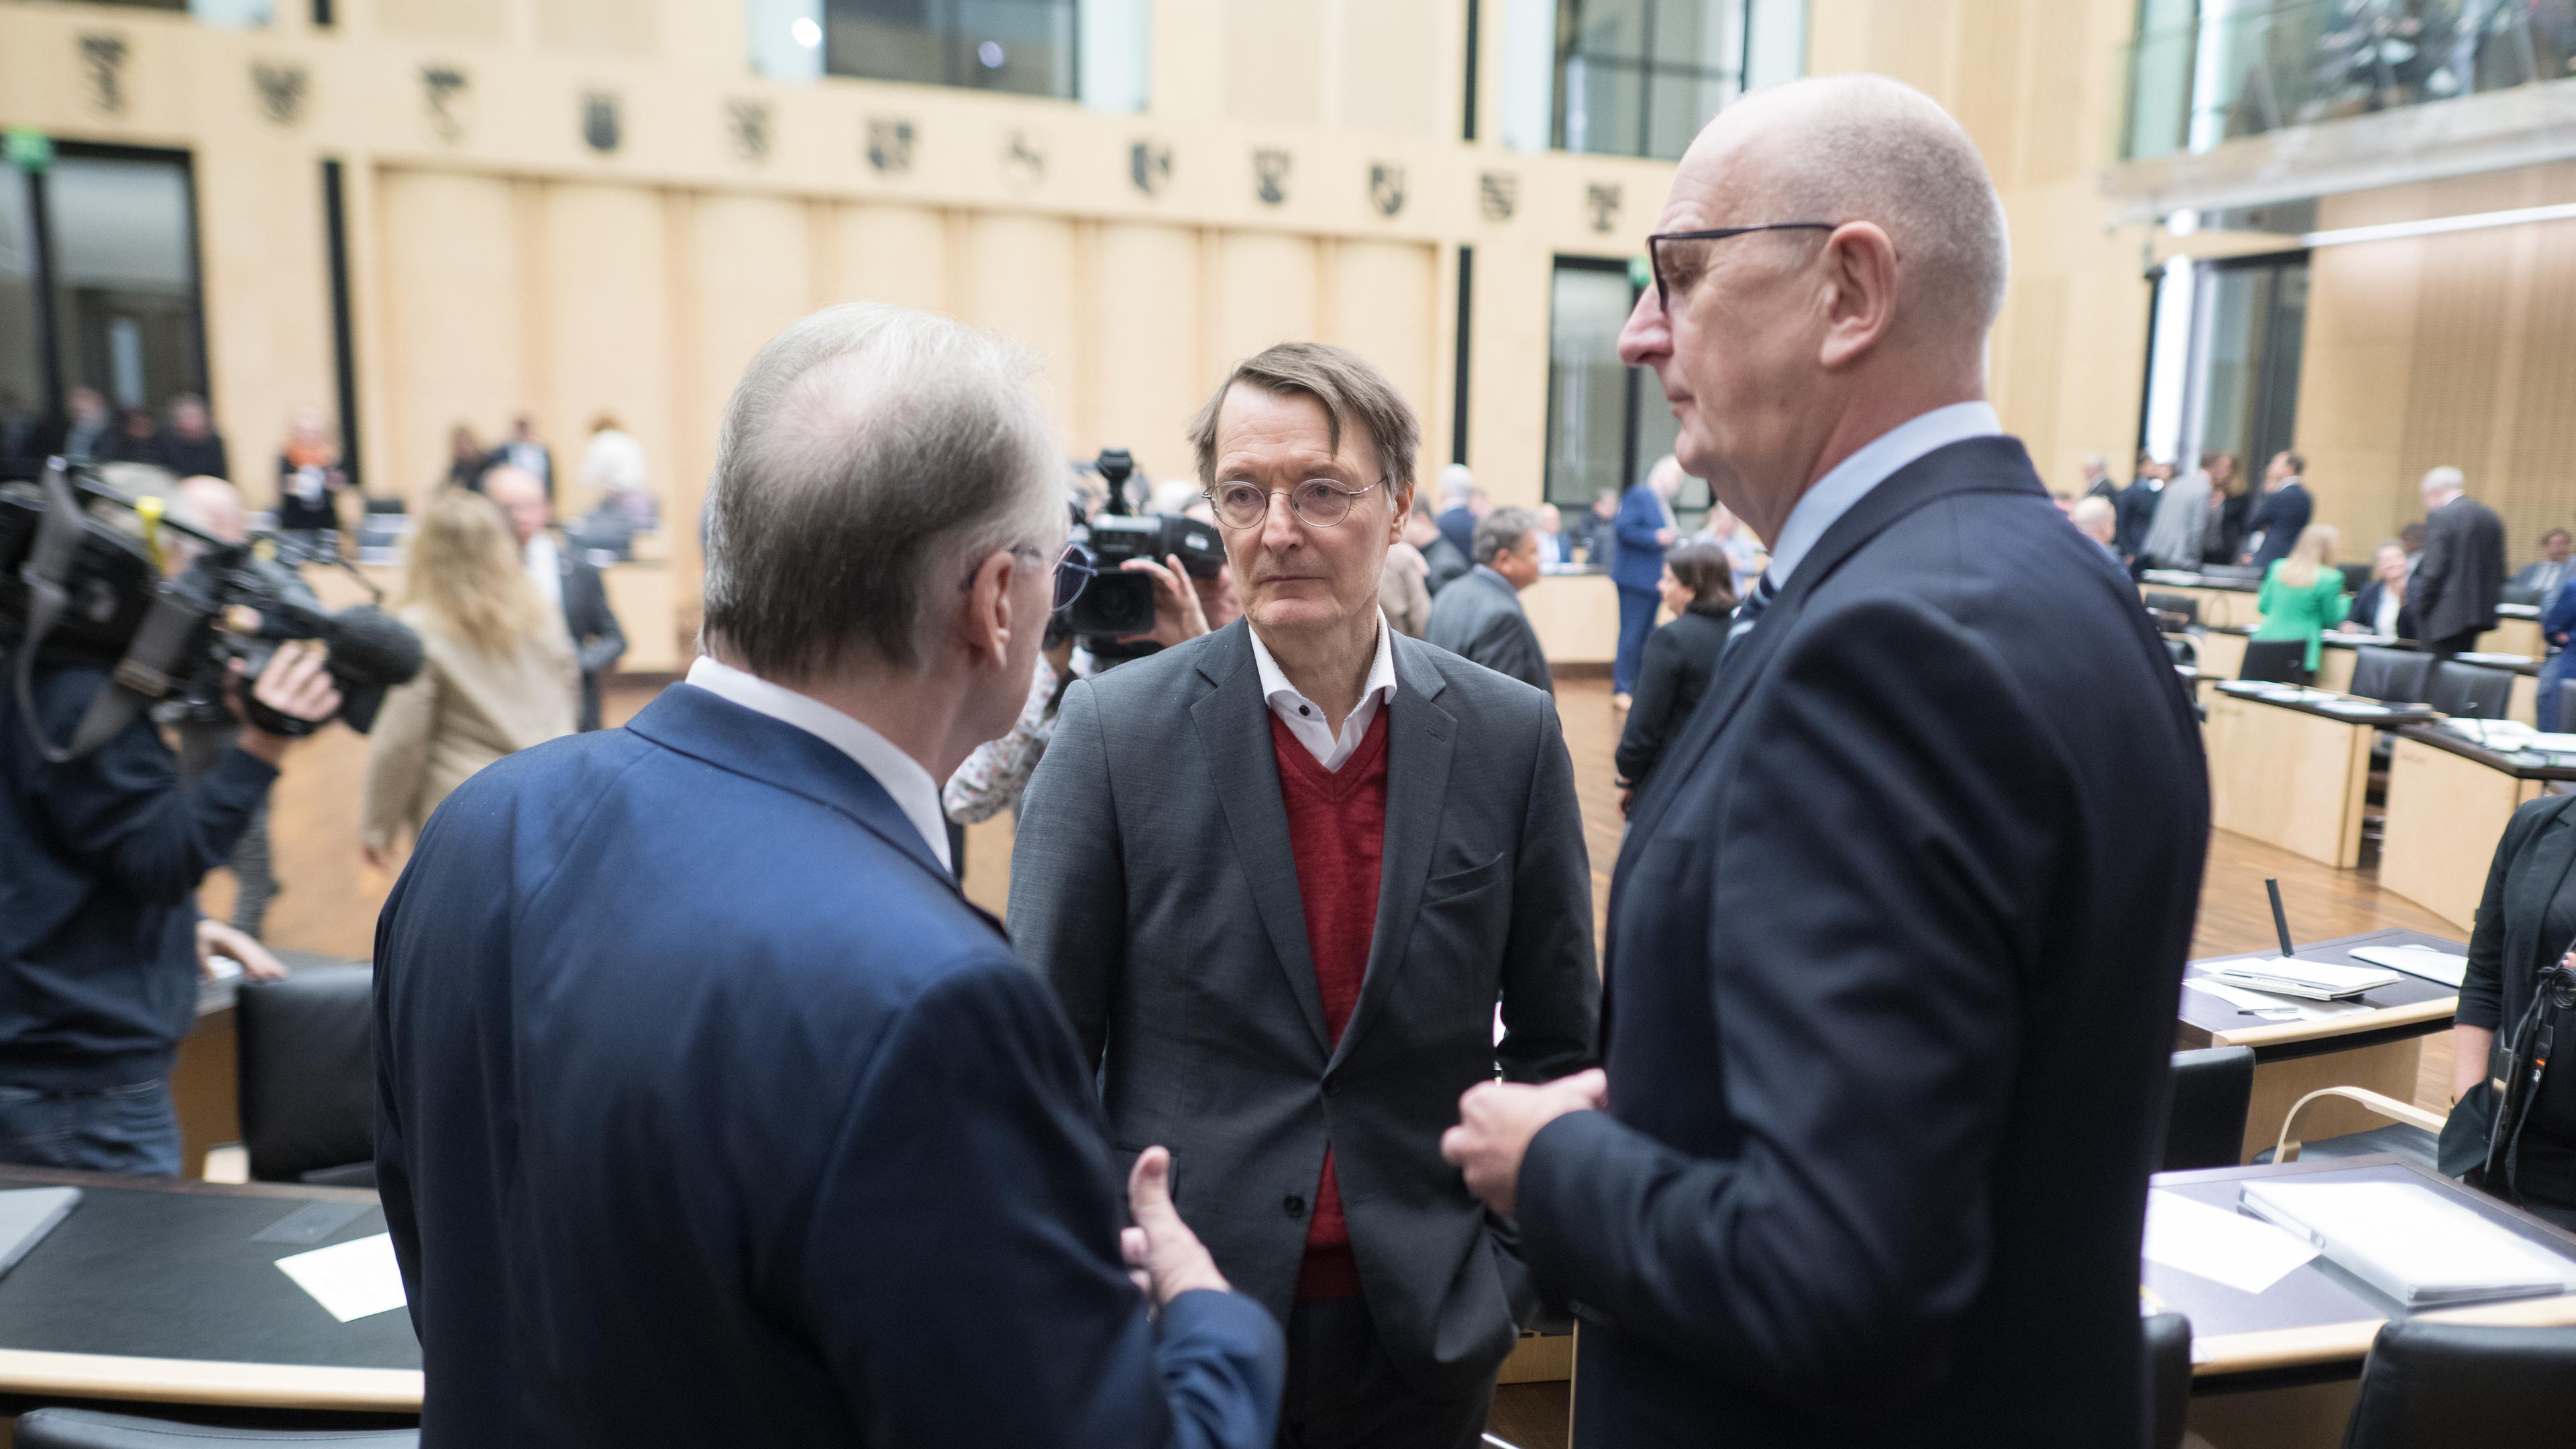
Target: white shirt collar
[(545, 567), (1876, 462), (1305, 718), (914, 792)]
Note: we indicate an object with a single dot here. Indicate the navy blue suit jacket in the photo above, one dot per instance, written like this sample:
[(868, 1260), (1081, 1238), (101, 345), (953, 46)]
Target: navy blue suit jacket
[(2281, 517), (1638, 561), (1458, 525), (709, 1112), (1893, 946)]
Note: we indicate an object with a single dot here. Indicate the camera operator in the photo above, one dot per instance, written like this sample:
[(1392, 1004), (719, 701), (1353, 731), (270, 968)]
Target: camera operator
[(101, 945)]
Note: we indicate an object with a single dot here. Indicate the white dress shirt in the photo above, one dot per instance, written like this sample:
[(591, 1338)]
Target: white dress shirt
[(1305, 718), (545, 568), (2384, 619), (914, 792), (1876, 462)]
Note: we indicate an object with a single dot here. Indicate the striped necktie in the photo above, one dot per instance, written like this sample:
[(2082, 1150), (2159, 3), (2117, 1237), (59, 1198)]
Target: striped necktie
[(1746, 613)]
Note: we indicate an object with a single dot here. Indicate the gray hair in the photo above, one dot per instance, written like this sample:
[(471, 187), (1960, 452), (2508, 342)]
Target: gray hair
[(1457, 484), (1351, 391), (2445, 479), (868, 454), (1500, 532)]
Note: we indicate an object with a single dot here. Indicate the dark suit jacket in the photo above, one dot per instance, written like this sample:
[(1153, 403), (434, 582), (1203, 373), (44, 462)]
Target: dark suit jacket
[(596, 638), (2457, 584), (1447, 564), (2279, 517), (708, 1112), (1638, 561), (1893, 947), (2137, 514), (2534, 864), (1152, 882), (1479, 619), (1458, 525), (1671, 677), (2365, 610)]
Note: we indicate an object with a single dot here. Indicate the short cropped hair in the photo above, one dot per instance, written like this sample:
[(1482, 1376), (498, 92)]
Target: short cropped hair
[(1500, 532), (868, 452), (1352, 392)]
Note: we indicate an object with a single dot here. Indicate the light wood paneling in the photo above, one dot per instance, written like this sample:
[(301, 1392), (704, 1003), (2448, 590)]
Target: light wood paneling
[(1382, 307), (608, 341), (2445, 814), (484, 20), (2288, 778), (1144, 349), (1383, 87), (1019, 280), (1274, 61), (452, 295), (896, 254), (1265, 291), (598, 27)]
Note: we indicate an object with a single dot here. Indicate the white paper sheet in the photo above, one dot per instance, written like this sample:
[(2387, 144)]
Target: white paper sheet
[(351, 1279), (2247, 1254), (2270, 1005), (2421, 961), (2411, 1242)]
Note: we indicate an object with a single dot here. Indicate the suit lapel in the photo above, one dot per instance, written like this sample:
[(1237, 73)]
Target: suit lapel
[(1420, 738), (1234, 728)]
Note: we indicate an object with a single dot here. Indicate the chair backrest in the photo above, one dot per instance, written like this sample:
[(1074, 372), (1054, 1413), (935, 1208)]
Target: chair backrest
[(2355, 575), (89, 1429), (2439, 1385), (2471, 691), (2205, 1112), (2168, 1348), (2518, 594), (2183, 604), (308, 1072), (2284, 661), (2397, 674)]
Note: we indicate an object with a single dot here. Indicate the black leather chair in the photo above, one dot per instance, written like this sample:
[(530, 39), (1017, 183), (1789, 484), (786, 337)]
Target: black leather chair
[(2205, 1113), (308, 1076), (2282, 661), (2168, 1346), (2434, 1385), (88, 1429), (2183, 604), (2395, 674), (2469, 691)]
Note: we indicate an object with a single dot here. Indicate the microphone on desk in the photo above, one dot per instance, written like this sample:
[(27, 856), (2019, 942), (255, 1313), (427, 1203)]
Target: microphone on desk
[(2280, 918)]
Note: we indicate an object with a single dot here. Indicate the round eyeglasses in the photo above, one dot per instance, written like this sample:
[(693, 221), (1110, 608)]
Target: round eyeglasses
[(1318, 501), (1074, 570)]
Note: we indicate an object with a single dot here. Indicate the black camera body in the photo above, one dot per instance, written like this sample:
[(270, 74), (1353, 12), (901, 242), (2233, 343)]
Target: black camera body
[(78, 592), (1118, 603)]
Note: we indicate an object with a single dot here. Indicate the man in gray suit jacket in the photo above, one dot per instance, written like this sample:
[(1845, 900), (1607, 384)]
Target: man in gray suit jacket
[(2462, 576), (1281, 876), (1480, 618)]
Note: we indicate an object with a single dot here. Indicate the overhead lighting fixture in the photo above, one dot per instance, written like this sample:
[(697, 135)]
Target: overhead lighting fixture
[(807, 33), (2436, 226)]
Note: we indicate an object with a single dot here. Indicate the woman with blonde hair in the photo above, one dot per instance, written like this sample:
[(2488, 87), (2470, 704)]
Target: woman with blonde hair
[(2303, 594), (500, 674)]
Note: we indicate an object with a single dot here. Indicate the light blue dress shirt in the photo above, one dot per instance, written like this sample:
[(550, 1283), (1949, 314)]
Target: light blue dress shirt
[(1877, 460)]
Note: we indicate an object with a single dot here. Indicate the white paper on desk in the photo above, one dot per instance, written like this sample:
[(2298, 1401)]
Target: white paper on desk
[(2247, 1254), (2244, 1000), (2422, 961), (351, 1279)]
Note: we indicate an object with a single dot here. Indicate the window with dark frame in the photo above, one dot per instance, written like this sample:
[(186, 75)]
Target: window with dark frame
[(1640, 77), (1607, 422), (1026, 47)]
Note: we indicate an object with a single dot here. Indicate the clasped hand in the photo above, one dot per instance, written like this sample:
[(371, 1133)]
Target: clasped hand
[(1496, 1121)]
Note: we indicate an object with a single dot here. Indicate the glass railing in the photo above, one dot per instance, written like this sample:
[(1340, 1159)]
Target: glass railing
[(2197, 81)]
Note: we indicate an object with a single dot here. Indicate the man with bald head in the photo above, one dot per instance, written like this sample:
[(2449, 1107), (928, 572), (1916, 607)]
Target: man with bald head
[(1898, 924), (563, 578)]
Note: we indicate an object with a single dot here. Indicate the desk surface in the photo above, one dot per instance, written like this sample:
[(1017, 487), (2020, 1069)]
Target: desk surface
[(2318, 1322), (154, 1289), (2349, 709), (2172, 579), (2412, 1007), (2522, 766)]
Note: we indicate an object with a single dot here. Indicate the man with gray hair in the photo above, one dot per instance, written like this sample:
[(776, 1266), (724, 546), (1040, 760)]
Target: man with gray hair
[(1900, 915), (1479, 618), (708, 1110), (1458, 508), (2456, 588), (1282, 875)]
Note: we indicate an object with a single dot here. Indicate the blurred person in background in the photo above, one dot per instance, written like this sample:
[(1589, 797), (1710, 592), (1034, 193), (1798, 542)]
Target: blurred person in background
[(2098, 519), (613, 469), (2182, 521), (499, 674), (215, 506), (1479, 617), (2229, 507), (1601, 530), (1555, 550), (522, 451), (1745, 555), (1404, 590), (2303, 595), (310, 479), (2381, 607), (1699, 590), (137, 440), (467, 459), (2557, 630), (2460, 579), (88, 432), (1645, 529), (192, 448), (2542, 576), (570, 584), (2137, 504), (1458, 508), (2098, 482), (1442, 560), (2281, 516)]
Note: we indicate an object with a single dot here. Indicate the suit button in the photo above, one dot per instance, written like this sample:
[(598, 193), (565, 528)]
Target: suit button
[(1295, 1205)]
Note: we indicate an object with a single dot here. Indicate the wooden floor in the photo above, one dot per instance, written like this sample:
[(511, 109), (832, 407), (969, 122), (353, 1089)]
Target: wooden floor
[(330, 901)]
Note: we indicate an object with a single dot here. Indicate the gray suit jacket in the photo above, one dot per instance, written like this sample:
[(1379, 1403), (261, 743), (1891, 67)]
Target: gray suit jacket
[(1153, 884), (1479, 618)]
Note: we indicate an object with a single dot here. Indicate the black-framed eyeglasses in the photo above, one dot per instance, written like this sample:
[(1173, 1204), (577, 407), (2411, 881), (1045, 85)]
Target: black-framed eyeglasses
[(1074, 571), (1319, 501), (1655, 247)]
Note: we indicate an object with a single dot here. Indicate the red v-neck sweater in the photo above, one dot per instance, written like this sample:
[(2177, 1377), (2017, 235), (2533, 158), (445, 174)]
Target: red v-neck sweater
[(1337, 834)]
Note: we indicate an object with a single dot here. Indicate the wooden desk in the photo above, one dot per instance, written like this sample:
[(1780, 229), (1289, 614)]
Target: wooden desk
[(2375, 1041), (2517, 631), (2448, 800), (1576, 617), (152, 1287), (2221, 601), (2294, 774), (2222, 650), (2276, 1370), (205, 1078)]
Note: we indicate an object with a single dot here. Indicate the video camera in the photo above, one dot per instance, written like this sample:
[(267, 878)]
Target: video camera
[(77, 591), (1118, 603)]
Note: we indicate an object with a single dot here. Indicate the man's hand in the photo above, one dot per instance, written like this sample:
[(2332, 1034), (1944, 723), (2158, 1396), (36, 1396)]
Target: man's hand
[(1177, 614), (296, 684), (1496, 1121), (1665, 536), (1164, 1257), (214, 939)]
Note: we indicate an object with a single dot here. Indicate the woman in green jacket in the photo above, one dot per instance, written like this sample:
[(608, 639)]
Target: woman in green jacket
[(2303, 594)]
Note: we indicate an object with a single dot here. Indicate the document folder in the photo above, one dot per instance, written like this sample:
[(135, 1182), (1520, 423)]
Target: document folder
[(2410, 1242)]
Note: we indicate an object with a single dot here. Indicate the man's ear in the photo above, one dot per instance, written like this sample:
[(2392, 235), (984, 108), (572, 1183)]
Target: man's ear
[(985, 620), (1403, 514), (1860, 270)]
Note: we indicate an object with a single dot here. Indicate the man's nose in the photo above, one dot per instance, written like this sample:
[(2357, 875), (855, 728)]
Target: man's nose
[(1649, 333), (1281, 528)]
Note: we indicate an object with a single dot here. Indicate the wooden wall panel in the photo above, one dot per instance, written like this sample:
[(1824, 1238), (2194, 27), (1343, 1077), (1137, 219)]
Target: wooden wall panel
[(1143, 349), (2537, 486), (1383, 307), (2451, 388), (1274, 63), (896, 254), (598, 27), (1265, 291), (1382, 85), (745, 267), (485, 20), (2067, 121), (609, 336), (1019, 279), (452, 290), (268, 346), (2029, 398), (1990, 89)]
